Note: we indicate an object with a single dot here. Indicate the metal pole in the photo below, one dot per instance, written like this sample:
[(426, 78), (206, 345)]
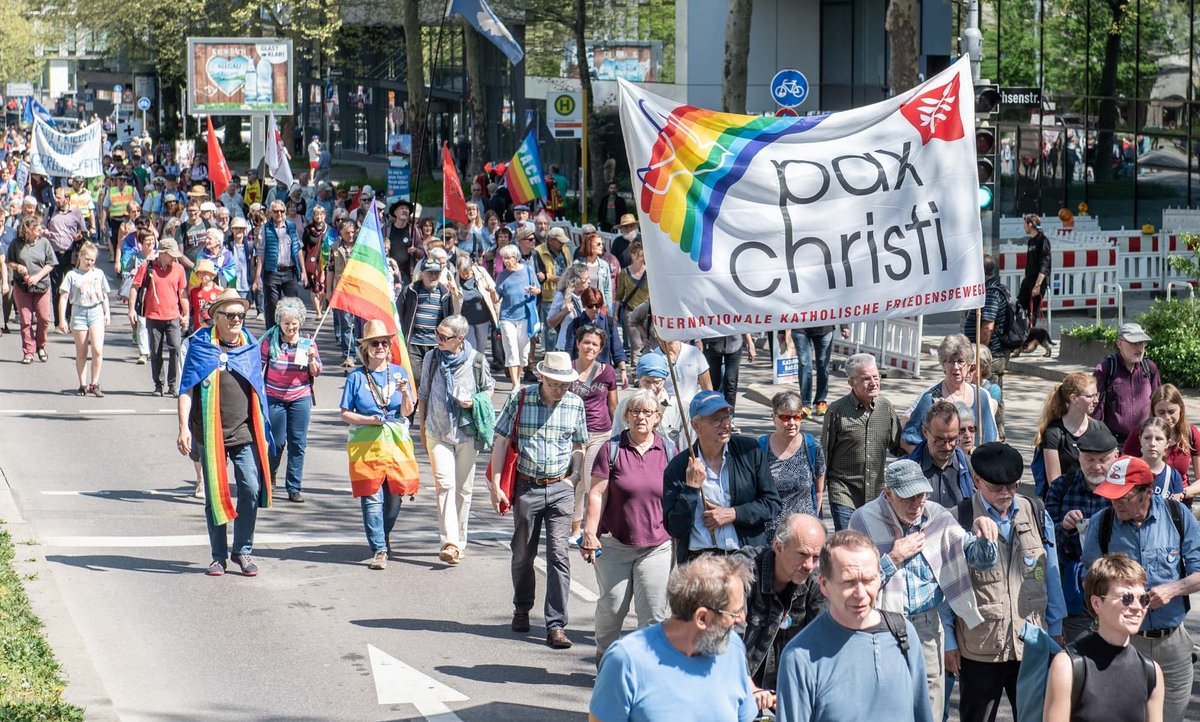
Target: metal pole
[(687, 432), (583, 198)]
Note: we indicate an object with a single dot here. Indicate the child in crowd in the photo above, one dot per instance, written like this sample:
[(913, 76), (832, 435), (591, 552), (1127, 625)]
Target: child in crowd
[(201, 295), (1155, 437), (1183, 453)]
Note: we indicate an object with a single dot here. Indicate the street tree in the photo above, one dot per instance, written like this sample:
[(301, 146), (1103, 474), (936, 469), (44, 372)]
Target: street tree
[(901, 25), (18, 43), (737, 53)]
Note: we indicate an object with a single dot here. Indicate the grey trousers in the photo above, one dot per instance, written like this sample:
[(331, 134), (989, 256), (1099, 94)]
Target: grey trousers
[(624, 574), (933, 647), (553, 505), (1174, 654)]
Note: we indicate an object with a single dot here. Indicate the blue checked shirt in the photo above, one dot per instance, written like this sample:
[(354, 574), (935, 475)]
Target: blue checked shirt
[(1156, 546), (546, 435), (1067, 493)]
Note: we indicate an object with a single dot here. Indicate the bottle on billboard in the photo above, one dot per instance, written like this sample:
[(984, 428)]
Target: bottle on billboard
[(250, 87), (266, 81)]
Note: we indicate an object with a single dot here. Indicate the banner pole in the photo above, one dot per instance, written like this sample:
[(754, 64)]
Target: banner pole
[(978, 375), (687, 432), (321, 323)]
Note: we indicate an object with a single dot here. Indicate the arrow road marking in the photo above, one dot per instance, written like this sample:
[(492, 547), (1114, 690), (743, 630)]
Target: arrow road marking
[(398, 683)]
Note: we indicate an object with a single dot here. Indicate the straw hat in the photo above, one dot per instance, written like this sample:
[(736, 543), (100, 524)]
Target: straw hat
[(374, 329), (227, 297), (628, 219), (557, 366), (205, 266), (169, 247)]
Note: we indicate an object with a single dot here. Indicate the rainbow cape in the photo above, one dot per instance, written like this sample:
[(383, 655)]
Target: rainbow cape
[(524, 176), (365, 287), (225, 264), (202, 367)]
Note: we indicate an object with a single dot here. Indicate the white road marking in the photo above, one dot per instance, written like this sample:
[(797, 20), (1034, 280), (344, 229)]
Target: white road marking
[(23, 412), (577, 589), (281, 539), (84, 492), (398, 683), (107, 411)]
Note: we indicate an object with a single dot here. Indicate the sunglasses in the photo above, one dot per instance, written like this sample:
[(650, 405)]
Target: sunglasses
[(447, 339), (790, 417), (379, 344), (233, 315), (594, 305), (1127, 598)]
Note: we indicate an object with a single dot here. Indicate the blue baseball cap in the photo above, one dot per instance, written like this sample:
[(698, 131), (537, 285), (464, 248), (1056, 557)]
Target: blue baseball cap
[(706, 403), (653, 364)]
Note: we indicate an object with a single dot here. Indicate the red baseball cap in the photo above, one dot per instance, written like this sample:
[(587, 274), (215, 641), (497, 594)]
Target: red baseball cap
[(1125, 473)]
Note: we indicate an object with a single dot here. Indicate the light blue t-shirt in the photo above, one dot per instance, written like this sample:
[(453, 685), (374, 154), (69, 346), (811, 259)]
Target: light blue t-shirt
[(716, 491), (510, 286), (644, 678)]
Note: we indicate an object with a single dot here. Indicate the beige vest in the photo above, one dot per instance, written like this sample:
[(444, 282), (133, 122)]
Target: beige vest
[(1010, 593)]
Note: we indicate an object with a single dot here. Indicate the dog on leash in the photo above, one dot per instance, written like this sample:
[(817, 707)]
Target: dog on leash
[(1037, 337)]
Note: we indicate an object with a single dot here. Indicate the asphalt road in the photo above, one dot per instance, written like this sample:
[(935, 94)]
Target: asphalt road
[(118, 553)]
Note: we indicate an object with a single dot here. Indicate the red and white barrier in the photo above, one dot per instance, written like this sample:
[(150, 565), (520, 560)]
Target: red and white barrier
[(1078, 271)]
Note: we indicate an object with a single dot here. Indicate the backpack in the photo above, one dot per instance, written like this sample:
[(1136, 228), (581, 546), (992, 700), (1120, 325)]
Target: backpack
[(1175, 510), (614, 446), (894, 621), (966, 514), (1016, 323), (810, 444), (1041, 484)]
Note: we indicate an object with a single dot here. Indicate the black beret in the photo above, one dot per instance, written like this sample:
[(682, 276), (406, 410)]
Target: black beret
[(1097, 439), (997, 463)]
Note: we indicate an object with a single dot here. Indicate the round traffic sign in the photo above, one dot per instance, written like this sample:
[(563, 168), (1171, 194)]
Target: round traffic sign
[(118, 88), (564, 104), (786, 112), (789, 88), (127, 96), (143, 103)]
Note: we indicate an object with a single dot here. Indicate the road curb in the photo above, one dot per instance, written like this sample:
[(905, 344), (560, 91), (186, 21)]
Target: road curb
[(83, 684)]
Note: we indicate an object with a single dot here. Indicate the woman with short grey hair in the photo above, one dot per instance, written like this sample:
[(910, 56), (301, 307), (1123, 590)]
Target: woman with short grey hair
[(966, 428), (454, 407), (795, 458), (956, 355), (292, 364)]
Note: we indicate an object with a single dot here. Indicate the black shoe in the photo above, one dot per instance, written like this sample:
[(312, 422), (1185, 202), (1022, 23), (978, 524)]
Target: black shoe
[(82, 391), (528, 377), (175, 393), (520, 622), (295, 497), (158, 391)]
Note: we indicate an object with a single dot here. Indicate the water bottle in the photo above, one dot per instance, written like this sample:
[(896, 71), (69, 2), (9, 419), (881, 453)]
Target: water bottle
[(250, 87), (266, 81)]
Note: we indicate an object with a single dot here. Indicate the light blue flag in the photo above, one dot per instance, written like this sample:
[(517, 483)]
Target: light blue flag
[(481, 17), (33, 107)]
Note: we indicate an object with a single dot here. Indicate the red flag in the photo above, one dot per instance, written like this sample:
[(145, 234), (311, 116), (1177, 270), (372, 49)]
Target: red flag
[(455, 203), (218, 169)]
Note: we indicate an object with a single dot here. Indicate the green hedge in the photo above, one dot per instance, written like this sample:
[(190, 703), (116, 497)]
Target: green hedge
[(1174, 327)]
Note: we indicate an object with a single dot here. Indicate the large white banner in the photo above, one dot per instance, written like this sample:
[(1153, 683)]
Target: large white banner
[(58, 154), (755, 223)]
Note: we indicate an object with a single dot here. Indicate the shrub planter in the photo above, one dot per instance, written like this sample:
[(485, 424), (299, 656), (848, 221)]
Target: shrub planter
[(1084, 353)]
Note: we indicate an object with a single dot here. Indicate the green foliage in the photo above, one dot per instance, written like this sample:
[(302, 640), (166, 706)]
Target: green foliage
[(18, 43), (30, 679), (1087, 334), (1188, 264), (1175, 327)]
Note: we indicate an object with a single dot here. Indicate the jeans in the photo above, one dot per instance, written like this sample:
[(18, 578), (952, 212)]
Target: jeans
[(277, 285), (806, 348), (479, 335), (841, 515), (164, 333), (626, 573), (553, 504), (416, 354), (379, 511), (453, 468), (1174, 654), (289, 425), (245, 475), (33, 311), (549, 334), (141, 337), (344, 332), (723, 370)]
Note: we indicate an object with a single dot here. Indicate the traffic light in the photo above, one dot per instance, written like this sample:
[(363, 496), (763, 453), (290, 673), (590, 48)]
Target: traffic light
[(987, 106), (985, 164)]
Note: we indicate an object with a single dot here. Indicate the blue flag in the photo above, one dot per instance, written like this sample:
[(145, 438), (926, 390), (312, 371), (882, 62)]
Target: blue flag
[(481, 17), (33, 107)]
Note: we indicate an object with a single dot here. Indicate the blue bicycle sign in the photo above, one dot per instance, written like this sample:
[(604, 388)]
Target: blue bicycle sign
[(789, 88)]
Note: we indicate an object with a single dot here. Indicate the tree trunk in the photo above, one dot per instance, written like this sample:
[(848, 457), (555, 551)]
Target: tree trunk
[(478, 126), (415, 60), (901, 25), (737, 50), (589, 102), (1106, 124)]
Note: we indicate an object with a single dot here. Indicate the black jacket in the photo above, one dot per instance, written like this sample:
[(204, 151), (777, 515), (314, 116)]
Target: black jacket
[(752, 495), (772, 619)]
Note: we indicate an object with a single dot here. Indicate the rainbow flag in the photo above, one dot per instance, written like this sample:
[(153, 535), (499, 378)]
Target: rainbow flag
[(365, 287), (382, 455), (524, 176)]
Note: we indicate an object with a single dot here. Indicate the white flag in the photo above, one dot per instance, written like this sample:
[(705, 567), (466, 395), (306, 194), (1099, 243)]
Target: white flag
[(277, 155), (757, 223)]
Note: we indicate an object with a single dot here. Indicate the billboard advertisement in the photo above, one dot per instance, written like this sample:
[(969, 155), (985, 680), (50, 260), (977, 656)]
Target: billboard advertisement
[(239, 76)]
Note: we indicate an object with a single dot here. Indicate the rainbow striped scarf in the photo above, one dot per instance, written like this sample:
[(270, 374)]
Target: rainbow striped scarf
[(205, 363)]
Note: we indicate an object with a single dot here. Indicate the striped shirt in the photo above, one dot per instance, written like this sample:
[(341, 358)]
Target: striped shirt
[(284, 378), (546, 434), (429, 312), (856, 440)]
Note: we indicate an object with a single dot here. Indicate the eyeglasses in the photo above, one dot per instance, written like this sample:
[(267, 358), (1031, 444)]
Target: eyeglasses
[(642, 412), (1095, 395), (233, 316), (945, 440), (739, 614), (447, 339), (381, 343), (790, 417), (955, 362), (278, 210), (1127, 599), (966, 430)]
